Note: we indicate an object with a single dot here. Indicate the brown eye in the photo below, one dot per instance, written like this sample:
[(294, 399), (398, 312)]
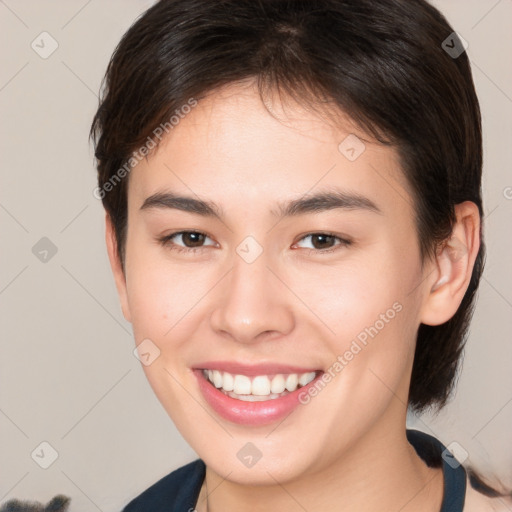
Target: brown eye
[(192, 239), (186, 240), (321, 241), (324, 242)]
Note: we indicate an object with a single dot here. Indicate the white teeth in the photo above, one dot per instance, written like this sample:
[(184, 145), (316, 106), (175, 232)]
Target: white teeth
[(217, 379), (254, 398), (278, 384), (228, 382), (291, 382), (242, 385), (261, 387), (306, 378)]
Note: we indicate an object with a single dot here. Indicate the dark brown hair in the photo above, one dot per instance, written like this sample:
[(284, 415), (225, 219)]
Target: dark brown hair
[(383, 62)]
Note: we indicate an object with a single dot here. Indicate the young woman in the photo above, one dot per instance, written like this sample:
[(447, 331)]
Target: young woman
[(293, 217)]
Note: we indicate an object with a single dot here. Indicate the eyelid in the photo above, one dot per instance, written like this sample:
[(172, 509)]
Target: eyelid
[(167, 240), (343, 242)]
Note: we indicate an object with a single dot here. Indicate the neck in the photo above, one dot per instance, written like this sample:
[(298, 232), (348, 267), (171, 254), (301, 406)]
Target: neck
[(380, 472)]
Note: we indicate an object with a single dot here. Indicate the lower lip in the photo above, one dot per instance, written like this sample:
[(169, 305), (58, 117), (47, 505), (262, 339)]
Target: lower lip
[(250, 413)]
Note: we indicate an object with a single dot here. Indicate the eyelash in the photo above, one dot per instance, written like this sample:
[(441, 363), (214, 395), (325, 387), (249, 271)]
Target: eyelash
[(166, 241)]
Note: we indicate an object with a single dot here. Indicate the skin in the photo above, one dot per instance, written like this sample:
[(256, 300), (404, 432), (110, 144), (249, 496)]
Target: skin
[(291, 305)]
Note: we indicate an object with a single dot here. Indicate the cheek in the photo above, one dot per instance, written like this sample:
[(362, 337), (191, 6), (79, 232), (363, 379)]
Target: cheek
[(165, 303), (347, 297), (372, 348), (160, 294), (367, 312)]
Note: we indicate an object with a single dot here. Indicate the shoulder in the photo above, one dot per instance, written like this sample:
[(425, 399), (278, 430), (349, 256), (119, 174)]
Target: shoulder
[(478, 502), (176, 491)]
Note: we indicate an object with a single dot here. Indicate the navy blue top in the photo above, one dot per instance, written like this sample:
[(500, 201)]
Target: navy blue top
[(179, 490)]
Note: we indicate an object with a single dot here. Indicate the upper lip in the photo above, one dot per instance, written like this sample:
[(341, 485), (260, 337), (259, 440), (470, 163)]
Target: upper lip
[(251, 370)]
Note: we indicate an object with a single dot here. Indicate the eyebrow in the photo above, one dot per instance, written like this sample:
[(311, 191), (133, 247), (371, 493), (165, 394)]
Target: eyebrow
[(319, 202)]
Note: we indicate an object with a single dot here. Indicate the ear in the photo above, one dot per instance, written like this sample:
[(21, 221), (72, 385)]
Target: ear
[(448, 281), (117, 268)]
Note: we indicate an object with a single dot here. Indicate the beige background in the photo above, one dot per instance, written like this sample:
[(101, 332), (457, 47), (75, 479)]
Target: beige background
[(68, 374)]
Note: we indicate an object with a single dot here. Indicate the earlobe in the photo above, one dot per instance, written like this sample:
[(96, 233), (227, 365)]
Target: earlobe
[(116, 266), (453, 267)]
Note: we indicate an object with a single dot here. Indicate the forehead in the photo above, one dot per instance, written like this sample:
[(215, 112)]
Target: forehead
[(231, 149)]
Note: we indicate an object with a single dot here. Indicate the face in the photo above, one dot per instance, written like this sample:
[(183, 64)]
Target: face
[(271, 284)]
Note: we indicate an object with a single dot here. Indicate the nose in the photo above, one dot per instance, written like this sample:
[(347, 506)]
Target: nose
[(252, 303)]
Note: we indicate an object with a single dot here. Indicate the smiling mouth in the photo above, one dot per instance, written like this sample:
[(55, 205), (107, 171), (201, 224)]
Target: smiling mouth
[(258, 388)]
